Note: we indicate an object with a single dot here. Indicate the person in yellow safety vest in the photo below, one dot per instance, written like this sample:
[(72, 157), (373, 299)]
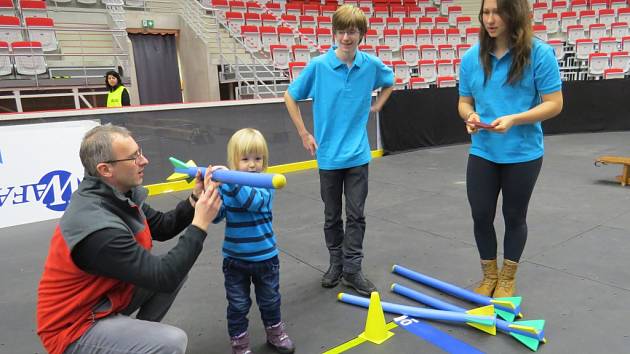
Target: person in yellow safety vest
[(118, 95)]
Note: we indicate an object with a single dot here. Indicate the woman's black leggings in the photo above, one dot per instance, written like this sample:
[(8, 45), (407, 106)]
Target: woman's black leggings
[(484, 180)]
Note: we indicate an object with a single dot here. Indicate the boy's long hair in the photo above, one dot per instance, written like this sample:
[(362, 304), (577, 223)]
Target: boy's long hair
[(246, 141), (348, 16), (515, 15)]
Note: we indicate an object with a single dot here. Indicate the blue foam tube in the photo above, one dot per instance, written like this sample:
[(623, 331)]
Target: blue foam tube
[(449, 288), (442, 286), (425, 299), (418, 312), (262, 180)]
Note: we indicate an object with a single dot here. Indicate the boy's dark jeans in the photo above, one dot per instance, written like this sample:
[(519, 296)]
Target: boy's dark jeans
[(239, 275), (345, 248)]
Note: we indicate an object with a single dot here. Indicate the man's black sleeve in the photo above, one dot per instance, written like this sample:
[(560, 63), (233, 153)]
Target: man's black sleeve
[(165, 226), (114, 253)]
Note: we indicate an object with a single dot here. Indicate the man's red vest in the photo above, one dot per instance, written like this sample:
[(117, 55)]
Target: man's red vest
[(68, 295)]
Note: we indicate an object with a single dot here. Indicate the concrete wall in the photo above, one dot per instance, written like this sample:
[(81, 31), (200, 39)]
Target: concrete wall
[(134, 96), (200, 78), (470, 8)]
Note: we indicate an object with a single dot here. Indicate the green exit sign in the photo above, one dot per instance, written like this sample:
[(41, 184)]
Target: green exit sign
[(148, 24)]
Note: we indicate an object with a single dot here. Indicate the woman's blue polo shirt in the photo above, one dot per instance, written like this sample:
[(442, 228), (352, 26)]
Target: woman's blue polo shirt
[(342, 97), (497, 98)]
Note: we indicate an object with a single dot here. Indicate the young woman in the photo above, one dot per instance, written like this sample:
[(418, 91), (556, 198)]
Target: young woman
[(511, 81), (118, 95)]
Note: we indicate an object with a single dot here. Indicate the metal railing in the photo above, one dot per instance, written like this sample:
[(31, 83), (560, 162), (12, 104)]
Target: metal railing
[(79, 97), (203, 20), (119, 46), (116, 13), (206, 25), (81, 74), (119, 55)]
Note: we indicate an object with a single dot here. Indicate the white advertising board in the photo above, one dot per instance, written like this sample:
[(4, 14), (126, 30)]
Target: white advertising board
[(39, 170)]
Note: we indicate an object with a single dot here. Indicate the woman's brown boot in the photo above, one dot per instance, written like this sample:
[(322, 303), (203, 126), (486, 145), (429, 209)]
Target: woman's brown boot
[(490, 276), (506, 287)]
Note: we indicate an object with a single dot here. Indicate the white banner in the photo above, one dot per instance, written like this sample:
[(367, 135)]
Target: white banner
[(39, 170)]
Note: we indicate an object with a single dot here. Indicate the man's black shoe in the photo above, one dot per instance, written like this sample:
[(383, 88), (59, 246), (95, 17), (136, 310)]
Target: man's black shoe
[(332, 276), (359, 283)]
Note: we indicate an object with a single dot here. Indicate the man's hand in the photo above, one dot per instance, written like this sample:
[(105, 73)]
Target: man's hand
[(209, 203), (197, 189), (308, 141)]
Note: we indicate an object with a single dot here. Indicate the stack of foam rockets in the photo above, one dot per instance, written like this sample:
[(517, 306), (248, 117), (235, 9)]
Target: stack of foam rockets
[(529, 333)]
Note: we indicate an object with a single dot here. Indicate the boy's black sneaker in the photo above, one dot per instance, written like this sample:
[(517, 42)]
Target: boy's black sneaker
[(332, 276), (359, 283)]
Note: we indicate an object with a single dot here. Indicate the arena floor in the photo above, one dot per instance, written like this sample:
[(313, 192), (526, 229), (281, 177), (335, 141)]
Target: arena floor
[(574, 273)]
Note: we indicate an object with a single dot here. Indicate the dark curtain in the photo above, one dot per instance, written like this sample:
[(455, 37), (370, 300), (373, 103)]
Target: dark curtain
[(592, 106), (155, 58), (413, 119)]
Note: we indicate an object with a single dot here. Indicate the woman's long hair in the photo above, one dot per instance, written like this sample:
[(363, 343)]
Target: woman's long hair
[(515, 15), (118, 82)]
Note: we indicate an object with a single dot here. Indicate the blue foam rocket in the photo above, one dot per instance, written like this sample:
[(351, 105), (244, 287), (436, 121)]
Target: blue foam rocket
[(482, 318), (531, 333), (188, 171)]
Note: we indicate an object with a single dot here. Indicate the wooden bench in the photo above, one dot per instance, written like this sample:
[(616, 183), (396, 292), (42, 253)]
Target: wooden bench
[(624, 178)]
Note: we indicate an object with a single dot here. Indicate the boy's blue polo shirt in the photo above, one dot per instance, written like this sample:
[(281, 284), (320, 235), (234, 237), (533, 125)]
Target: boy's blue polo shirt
[(497, 98), (342, 98)]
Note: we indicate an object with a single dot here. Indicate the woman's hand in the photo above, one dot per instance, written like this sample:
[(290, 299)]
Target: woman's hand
[(471, 129), (503, 124)]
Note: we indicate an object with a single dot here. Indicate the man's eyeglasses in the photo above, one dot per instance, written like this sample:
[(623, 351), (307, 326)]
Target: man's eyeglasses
[(350, 33), (137, 158)]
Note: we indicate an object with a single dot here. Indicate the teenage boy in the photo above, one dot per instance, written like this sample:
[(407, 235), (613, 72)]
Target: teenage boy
[(340, 83)]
